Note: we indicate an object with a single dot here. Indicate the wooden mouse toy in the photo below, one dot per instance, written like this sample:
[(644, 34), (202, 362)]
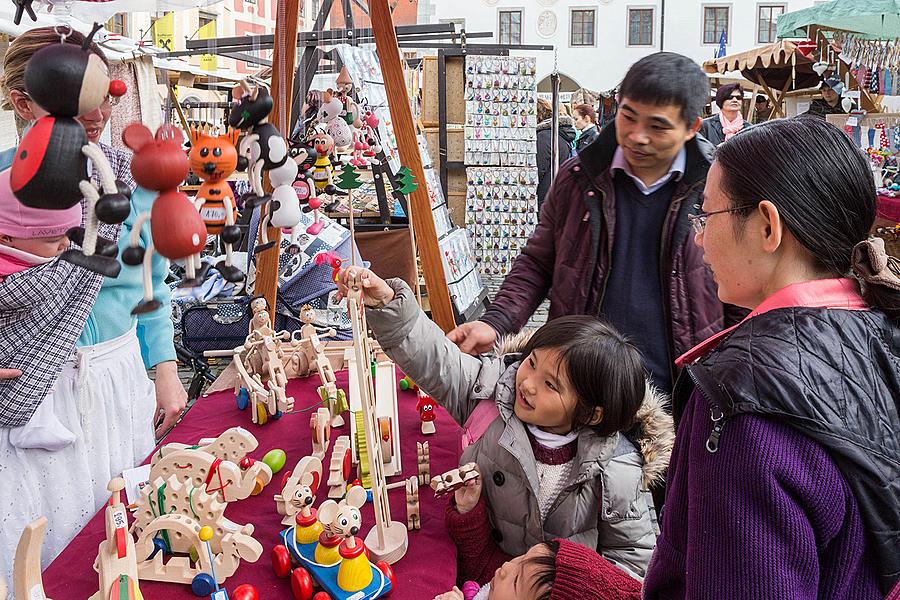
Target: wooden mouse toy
[(355, 571), (213, 159), (178, 231)]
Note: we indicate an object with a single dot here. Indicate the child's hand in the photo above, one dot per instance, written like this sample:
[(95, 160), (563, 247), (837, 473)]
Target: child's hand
[(454, 594), (376, 292), (467, 496)]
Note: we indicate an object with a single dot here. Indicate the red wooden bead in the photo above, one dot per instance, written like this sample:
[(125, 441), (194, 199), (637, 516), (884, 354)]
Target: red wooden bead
[(321, 596), (245, 592), (281, 561), (247, 462), (117, 88)]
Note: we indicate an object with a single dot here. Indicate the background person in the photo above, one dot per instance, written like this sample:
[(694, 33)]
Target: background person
[(586, 123), (720, 127), (566, 134), (830, 102)]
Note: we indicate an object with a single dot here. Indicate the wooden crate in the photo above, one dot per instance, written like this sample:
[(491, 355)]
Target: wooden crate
[(456, 144), (456, 82)]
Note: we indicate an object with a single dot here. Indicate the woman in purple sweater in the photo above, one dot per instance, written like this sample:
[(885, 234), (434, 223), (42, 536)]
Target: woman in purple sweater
[(785, 477)]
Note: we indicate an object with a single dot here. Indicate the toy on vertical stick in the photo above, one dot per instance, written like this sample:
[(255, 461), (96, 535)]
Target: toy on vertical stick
[(116, 559), (425, 406), (51, 161), (206, 534)]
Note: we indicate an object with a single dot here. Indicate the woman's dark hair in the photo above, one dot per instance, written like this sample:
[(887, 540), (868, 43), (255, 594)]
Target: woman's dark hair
[(668, 78), (821, 184), (603, 367), (545, 570), (725, 92)]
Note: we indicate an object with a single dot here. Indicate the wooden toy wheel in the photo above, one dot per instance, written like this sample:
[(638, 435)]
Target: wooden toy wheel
[(242, 399), (301, 584), (262, 413), (385, 568), (281, 561)]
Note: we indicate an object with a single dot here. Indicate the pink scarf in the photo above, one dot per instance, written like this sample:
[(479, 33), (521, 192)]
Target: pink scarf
[(731, 127)]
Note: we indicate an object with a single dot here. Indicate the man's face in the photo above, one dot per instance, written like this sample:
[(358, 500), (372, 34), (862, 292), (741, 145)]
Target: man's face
[(829, 95), (651, 135)]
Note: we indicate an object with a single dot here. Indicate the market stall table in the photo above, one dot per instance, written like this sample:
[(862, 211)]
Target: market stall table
[(428, 568), (889, 208)]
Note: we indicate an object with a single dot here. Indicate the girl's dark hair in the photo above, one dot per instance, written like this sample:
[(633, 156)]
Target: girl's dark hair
[(603, 367), (821, 184), (545, 570)]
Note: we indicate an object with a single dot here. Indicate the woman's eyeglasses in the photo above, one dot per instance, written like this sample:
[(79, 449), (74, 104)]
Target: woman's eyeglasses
[(736, 97), (698, 221)]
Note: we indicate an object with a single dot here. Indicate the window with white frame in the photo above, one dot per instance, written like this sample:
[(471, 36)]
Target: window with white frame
[(767, 27), (118, 23), (583, 27), (715, 21), (510, 29), (640, 26)]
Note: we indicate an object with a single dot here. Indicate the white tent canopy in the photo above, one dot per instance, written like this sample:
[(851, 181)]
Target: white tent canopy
[(102, 10)]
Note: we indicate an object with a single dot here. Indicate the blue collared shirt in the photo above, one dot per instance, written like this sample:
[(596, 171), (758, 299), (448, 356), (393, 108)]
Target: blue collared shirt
[(676, 170)]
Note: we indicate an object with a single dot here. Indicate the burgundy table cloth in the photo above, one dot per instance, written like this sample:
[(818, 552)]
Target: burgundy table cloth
[(889, 208), (428, 568)]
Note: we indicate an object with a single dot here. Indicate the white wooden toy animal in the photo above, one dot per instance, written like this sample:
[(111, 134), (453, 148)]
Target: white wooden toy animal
[(300, 489), (454, 479)]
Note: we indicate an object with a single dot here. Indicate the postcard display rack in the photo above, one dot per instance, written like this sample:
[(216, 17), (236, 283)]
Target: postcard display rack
[(501, 159)]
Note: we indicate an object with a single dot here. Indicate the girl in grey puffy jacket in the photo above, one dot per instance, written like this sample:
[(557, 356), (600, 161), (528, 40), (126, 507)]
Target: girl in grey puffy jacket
[(578, 435)]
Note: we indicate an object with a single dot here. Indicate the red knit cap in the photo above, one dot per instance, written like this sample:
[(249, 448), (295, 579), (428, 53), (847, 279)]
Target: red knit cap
[(582, 574)]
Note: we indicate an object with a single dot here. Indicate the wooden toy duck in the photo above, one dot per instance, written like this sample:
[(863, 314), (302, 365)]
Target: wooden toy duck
[(355, 571)]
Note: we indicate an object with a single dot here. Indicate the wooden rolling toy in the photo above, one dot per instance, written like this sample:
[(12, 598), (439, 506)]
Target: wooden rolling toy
[(387, 426), (423, 455), (222, 478), (454, 479), (299, 493), (116, 558), (320, 429)]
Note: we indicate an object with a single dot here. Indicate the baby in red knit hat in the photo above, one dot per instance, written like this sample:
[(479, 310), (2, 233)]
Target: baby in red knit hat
[(557, 570)]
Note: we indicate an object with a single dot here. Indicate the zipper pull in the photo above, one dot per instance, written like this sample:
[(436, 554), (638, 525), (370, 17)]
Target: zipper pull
[(718, 419)]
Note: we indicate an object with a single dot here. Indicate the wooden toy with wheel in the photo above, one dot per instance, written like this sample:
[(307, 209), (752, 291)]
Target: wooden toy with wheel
[(339, 468), (116, 558), (299, 492), (222, 478), (167, 524)]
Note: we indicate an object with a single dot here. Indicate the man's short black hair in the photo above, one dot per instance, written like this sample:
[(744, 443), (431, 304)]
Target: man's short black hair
[(668, 78)]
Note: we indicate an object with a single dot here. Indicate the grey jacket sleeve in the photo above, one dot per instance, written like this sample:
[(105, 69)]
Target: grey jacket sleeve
[(455, 380), (627, 526)]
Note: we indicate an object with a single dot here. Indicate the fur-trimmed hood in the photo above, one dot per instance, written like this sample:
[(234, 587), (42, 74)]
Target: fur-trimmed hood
[(654, 432)]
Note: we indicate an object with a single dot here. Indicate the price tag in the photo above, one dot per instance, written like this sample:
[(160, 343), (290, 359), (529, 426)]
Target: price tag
[(852, 122)]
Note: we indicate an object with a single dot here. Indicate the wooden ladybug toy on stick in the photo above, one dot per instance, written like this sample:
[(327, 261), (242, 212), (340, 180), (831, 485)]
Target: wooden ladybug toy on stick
[(178, 231), (213, 159), (50, 168)]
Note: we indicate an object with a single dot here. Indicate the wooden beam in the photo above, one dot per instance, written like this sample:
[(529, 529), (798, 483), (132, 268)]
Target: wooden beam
[(401, 116), (284, 61)]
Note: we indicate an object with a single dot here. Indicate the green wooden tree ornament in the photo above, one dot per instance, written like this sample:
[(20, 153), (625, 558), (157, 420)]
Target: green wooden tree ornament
[(348, 179), (407, 181)]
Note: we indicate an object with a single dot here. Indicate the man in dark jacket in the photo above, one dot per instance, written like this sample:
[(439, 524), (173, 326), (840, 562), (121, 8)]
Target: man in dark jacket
[(614, 238), (566, 134), (586, 123), (830, 102)]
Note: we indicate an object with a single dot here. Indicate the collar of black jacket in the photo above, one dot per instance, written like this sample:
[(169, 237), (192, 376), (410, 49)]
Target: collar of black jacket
[(597, 157)]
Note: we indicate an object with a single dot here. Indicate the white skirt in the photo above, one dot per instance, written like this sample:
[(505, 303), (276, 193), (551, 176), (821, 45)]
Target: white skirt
[(105, 398)]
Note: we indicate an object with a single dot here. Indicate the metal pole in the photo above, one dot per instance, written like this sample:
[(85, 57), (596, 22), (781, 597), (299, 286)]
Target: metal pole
[(554, 126)]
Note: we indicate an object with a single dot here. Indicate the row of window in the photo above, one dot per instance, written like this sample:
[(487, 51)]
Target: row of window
[(583, 25)]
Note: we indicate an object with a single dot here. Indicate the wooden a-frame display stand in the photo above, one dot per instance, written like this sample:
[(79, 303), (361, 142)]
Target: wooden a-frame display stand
[(283, 68)]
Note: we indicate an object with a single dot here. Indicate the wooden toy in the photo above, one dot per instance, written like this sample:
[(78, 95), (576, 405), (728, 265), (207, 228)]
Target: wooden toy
[(275, 458), (221, 478), (338, 562), (265, 151), (245, 591), (307, 341), (27, 582), (299, 493), (339, 469), (305, 188), (387, 423), (323, 171), (407, 384), (178, 231), (413, 520), (208, 586), (168, 520), (320, 428), (454, 479), (423, 457), (116, 559), (213, 159), (425, 406), (234, 444), (338, 128), (388, 539)]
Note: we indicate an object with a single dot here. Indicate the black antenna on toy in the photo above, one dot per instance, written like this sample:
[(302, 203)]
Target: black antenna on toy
[(87, 41)]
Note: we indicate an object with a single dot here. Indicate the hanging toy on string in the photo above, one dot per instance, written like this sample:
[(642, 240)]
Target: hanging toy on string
[(305, 187), (337, 127), (213, 159), (50, 167), (265, 150), (373, 145), (178, 231)]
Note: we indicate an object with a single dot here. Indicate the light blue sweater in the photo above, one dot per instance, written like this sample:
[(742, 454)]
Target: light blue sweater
[(111, 316)]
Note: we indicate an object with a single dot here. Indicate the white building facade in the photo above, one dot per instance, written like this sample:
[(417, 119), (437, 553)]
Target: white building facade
[(597, 40)]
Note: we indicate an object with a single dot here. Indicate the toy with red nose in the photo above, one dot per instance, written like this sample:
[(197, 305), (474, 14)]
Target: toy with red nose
[(425, 406), (67, 81)]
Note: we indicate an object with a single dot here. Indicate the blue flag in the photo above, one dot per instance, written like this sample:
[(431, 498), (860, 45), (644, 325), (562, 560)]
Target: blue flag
[(721, 50)]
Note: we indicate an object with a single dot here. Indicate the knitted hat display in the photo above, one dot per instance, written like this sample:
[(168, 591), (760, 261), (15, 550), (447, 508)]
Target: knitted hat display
[(725, 91), (582, 574)]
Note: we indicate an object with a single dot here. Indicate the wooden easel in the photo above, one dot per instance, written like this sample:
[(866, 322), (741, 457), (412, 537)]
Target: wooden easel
[(283, 66)]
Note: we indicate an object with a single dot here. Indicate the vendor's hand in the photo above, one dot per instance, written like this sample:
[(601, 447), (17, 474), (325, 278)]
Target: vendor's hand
[(10, 373), (467, 496), (454, 594), (376, 292), (474, 338), (170, 397)]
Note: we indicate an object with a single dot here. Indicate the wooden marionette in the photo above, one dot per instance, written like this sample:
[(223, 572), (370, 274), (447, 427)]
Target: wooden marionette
[(213, 159), (50, 166), (336, 126), (264, 150), (305, 187), (178, 231)]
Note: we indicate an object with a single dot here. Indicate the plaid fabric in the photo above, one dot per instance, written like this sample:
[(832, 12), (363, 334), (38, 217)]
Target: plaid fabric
[(42, 313)]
